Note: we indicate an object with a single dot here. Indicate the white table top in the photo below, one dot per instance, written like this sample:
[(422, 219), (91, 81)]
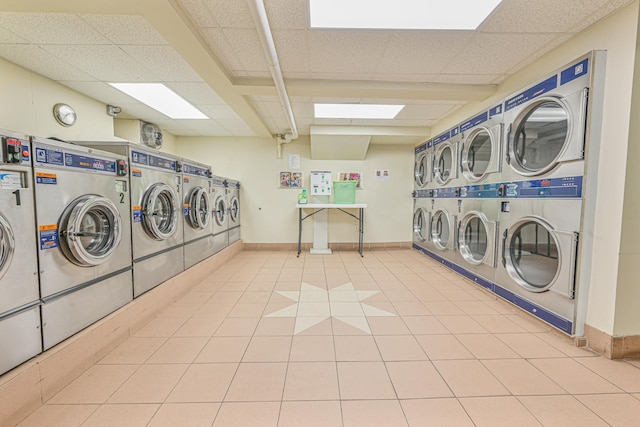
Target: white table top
[(332, 205)]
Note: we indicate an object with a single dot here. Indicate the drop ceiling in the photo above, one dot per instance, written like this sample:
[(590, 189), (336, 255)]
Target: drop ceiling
[(208, 52)]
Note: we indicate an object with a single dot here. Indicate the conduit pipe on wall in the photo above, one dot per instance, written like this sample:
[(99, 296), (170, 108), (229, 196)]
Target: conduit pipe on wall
[(261, 21)]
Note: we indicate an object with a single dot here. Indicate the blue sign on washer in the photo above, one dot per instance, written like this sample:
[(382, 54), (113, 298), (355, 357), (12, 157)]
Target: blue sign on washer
[(575, 71), (533, 92)]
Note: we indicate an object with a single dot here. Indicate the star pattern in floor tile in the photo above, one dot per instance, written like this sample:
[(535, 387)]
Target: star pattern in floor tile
[(313, 305)]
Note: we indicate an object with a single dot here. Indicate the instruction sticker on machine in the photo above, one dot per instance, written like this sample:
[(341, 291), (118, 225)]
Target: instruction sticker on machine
[(137, 214), (46, 178), (48, 236)]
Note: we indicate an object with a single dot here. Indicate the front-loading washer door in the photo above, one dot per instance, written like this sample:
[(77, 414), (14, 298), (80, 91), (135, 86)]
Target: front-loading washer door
[(220, 210), (540, 258), (420, 226), (199, 209), (234, 209), (480, 154), (90, 230), (7, 245), (442, 230), (422, 170), (477, 239), (444, 168), (548, 131), (160, 211)]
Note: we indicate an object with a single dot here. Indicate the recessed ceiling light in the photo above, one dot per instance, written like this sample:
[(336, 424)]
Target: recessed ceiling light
[(161, 98), (356, 111), (401, 14)]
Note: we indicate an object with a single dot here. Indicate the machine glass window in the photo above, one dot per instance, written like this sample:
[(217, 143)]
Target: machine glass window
[(440, 230), (444, 164), (534, 254), (477, 154), (419, 225), (421, 170), (473, 242), (540, 136), (7, 245)]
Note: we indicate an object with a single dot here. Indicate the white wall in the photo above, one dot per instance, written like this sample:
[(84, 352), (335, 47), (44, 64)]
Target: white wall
[(27, 103), (617, 35), (269, 214)]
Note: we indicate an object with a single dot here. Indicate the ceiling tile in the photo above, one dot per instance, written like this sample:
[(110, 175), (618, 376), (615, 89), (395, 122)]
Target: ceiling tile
[(548, 16), (247, 47), (165, 63), (231, 14), (493, 53), (220, 46), (197, 93), (293, 50), (7, 37), (287, 14), (106, 63), (51, 28), (346, 52), (125, 29), (42, 62), (199, 13), (427, 52)]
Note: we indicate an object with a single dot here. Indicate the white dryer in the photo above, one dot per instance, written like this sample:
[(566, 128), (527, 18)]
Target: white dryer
[(545, 123), (233, 206), (219, 211), (20, 332), (83, 224), (196, 182), (445, 158), (480, 155), (156, 213), (538, 255)]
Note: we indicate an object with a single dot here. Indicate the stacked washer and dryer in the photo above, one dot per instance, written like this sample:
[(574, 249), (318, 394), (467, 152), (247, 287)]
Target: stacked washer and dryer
[(83, 225), (516, 202), (20, 331)]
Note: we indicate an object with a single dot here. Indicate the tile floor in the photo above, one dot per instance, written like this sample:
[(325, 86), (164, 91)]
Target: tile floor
[(391, 339)]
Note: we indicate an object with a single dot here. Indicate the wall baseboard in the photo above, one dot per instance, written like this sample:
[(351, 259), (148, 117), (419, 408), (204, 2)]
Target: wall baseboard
[(612, 347), (333, 246), (27, 387)]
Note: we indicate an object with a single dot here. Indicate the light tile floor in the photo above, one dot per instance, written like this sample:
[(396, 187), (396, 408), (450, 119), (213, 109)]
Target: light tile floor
[(391, 339)]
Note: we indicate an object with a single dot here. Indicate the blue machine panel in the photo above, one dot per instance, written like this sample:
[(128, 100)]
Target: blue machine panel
[(481, 118), (573, 72), (533, 92)]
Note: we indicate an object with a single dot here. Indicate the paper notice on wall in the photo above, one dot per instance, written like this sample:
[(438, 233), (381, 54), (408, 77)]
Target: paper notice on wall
[(382, 174), (294, 161)]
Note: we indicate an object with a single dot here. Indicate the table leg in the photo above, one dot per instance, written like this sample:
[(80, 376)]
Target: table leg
[(299, 231)]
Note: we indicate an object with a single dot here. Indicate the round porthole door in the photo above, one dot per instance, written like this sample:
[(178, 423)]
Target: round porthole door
[(476, 239), (441, 229), (220, 210), (234, 209), (421, 170), (160, 211), (546, 133), (7, 245), (199, 208), (538, 257), (90, 230), (444, 164), (420, 225), (478, 154)]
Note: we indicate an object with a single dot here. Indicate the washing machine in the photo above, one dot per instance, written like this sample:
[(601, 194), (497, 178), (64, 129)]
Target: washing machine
[(20, 331), (84, 240), (156, 213), (445, 158), (233, 207), (477, 238), (422, 170), (220, 229), (545, 123), (538, 249), (480, 147), (196, 186)]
